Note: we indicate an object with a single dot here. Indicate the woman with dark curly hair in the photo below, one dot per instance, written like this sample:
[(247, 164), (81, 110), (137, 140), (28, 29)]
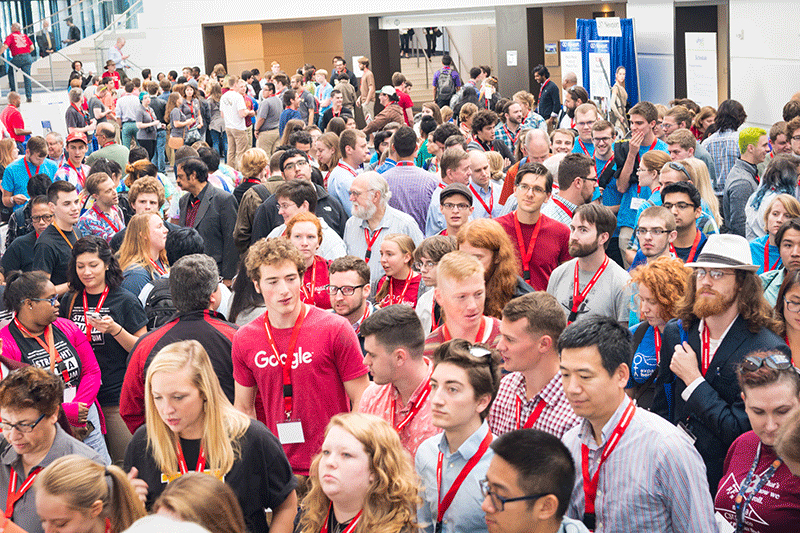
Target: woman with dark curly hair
[(362, 480), (111, 318), (661, 284)]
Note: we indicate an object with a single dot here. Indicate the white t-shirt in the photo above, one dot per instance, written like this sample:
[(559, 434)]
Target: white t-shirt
[(229, 105)]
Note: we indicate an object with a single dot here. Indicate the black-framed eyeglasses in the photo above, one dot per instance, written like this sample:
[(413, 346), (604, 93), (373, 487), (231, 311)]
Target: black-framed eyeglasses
[(657, 232), (22, 427), (347, 290), (499, 503), (42, 218), (776, 361), (53, 300), (680, 168)]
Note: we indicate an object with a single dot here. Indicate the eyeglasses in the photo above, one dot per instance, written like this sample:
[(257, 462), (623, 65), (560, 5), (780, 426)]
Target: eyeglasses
[(419, 266), (598, 140), (347, 290), (42, 218), (451, 207), (776, 361), (585, 124), (356, 194), (796, 137), (525, 189), (591, 179), (286, 205), (499, 503), (700, 273), (22, 427), (679, 205), (680, 168), (296, 164), (656, 232), (792, 306), (53, 300)]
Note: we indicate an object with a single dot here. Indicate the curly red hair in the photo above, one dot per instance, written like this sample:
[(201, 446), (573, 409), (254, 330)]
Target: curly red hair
[(666, 279)]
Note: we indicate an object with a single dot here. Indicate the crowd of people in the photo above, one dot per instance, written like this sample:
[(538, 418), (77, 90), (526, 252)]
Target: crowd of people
[(498, 314)]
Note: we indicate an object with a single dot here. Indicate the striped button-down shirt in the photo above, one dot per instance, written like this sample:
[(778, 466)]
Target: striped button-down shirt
[(724, 149), (556, 212), (556, 418), (653, 481)]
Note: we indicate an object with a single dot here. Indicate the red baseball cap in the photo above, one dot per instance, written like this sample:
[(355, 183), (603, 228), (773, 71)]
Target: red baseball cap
[(77, 136)]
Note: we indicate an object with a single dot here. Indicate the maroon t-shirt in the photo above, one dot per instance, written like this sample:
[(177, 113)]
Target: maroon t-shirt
[(315, 283), (550, 250), (405, 103), (396, 293), (776, 508)]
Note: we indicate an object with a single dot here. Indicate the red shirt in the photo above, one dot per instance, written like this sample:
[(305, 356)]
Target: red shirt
[(551, 249), (405, 103), (398, 296), (113, 74), (320, 296), (491, 330), (19, 43), (12, 118)]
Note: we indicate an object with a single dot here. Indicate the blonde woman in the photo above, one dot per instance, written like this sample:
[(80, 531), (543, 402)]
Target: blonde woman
[(78, 495), (362, 480), (191, 425), (204, 500), (328, 154), (142, 255)]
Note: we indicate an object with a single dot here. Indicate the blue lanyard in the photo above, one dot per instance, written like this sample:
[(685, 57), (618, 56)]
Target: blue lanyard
[(741, 502)]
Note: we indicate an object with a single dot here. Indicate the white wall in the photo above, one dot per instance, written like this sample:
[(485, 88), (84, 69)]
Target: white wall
[(654, 22)]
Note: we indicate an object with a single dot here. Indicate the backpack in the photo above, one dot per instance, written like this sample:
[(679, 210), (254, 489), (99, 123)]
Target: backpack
[(158, 306), (446, 85)]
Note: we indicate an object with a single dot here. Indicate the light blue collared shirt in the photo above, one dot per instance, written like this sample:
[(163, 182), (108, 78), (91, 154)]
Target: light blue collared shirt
[(465, 513)]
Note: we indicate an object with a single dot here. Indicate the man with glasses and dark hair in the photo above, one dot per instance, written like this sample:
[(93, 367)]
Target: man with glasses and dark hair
[(451, 465), (682, 199), (349, 288), (19, 255), (455, 203), (638, 472), (400, 391), (723, 317), (528, 485), (656, 233)]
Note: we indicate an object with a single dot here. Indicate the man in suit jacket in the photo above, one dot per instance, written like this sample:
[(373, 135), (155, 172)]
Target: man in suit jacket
[(724, 317), (212, 212), (45, 40)]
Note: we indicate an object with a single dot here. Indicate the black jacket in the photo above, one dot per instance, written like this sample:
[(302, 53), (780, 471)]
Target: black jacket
[(328, 208), (714, 412)]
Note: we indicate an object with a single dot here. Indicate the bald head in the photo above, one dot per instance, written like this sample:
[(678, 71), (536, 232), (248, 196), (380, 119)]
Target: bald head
[(479, 168), (537, 146), (13, 99), (569, 80), (15, 26)]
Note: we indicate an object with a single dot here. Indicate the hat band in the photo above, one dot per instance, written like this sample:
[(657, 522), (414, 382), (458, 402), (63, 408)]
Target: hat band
[(722, 259)]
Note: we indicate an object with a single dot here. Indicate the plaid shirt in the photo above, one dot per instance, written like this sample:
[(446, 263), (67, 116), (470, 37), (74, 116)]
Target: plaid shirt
[(556, 418), (724, 149), (534, 120), (555, 211), (502, 133)]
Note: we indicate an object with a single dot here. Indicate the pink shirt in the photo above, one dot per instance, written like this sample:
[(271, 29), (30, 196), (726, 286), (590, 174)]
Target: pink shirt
[(385, 401), (327, 355)]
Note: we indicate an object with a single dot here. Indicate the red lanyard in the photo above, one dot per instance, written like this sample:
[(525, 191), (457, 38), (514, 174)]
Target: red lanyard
[(651, 147), (534, 416), (78, 172), (82, 112), (15, 495), (705, 349), (402, 295), (768, 268), (444, 504), (441, 185), (405, 164), (692, 252), (347, 168), (105, 218), (191, 108), (49, 347), (30, 176), (286, 364), (563, 207), (513, 138), (657, 335), (478, 336), (370, 242), (201, 459), (610, 160), (309, 296), (541, 90), (86, 311), (152, 118), (363, 318), (526, 253), (348, 529), (417, 405), (585, 151), (578, 296), (590, 482), (158, 268), (489, 207), (254, 181)]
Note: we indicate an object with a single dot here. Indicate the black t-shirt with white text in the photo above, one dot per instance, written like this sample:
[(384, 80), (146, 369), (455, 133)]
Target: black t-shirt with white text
[(51, 253), (34, 354), (127, 311)]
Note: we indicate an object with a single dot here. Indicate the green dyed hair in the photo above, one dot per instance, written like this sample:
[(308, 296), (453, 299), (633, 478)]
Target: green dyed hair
[(749, 136)]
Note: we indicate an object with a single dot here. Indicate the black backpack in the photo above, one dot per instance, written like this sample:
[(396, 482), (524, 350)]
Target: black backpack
[(159, 307), (446, 85)]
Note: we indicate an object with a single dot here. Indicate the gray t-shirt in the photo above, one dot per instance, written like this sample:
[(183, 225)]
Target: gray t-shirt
[(150, 133), (270, 111), (306, 104), (177, 116), (609, 297), (95, 103)]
